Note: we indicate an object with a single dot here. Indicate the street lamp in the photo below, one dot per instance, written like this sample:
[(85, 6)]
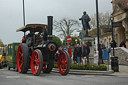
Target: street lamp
[(98, 39), (76, 41), (112, 36), (23, 13)]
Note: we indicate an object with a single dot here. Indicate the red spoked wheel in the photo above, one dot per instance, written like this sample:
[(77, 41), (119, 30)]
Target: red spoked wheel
[(64, 63), (36, 62), (22, 58)]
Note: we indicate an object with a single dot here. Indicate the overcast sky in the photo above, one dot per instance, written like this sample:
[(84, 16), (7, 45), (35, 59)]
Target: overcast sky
[(11, 17)]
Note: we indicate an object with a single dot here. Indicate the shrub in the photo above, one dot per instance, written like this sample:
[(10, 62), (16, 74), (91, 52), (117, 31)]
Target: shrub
[(101, 67)]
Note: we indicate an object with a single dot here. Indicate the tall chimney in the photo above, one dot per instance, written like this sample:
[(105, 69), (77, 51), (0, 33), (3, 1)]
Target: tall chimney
[(50, 26)]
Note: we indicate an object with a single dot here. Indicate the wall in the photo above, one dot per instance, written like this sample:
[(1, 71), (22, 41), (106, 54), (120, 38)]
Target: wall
[(122, 54)]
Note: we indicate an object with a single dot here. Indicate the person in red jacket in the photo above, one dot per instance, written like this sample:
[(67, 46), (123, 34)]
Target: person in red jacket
[(70, 51)]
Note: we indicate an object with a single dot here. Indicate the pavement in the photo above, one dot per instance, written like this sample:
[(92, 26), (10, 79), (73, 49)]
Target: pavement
[(123, 71)]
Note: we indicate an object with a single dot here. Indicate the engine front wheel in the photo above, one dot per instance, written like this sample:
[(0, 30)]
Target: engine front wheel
[(64, 63), (36, 62)]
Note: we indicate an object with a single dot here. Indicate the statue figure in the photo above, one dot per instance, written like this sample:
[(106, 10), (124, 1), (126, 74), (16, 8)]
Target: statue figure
[(85, 22)]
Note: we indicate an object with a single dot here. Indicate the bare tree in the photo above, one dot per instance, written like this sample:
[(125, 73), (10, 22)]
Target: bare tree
[(1, 43), (103, 19), (66, 26)]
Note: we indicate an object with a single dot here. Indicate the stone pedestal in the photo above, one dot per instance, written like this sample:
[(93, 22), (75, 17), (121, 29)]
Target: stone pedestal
[(90, 42)]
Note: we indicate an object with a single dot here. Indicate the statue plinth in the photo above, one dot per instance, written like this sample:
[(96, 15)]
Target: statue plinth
[(90, 41), (83, 34)]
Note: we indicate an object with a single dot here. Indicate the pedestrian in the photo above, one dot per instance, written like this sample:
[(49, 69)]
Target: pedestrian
[(74, 54), (113, 43), (105, 53), (85, 52), (78, 53), (122, 44), (70, 51), (103, 46)]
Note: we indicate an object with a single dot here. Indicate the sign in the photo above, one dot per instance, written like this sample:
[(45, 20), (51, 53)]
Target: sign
[(69, 39), (117, 24)]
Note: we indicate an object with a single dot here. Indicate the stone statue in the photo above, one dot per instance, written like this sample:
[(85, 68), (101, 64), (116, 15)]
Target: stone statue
[(85, 22)]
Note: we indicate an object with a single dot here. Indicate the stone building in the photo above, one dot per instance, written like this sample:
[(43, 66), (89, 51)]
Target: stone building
[(106, 35), (120, 14)]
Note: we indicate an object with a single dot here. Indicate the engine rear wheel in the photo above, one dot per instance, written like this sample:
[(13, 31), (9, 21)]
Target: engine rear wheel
[(22, 58), (64, 63), (36, 62)]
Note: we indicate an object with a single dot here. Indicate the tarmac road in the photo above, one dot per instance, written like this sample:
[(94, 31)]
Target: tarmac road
[(15, 78)]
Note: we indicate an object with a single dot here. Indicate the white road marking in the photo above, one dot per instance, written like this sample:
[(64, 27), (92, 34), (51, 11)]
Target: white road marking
[(14, 77)]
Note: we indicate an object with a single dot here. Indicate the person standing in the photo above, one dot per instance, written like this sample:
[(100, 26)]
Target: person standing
[(86, 51), (74, 54), (113, 43), (122, 44), (70, 51), (78, 53)]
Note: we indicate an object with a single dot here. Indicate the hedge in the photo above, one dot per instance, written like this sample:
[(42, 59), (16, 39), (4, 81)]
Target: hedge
[(101, 67)]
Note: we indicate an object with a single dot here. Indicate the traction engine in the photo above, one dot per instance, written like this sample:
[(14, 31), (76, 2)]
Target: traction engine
[(38, 52)]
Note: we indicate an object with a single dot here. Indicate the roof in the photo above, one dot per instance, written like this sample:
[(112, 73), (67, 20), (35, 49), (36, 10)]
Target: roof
[(32, 27), (122, 4)]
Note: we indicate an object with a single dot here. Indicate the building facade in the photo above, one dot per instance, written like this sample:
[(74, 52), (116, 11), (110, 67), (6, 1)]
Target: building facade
[(106, 36), (120, 14)]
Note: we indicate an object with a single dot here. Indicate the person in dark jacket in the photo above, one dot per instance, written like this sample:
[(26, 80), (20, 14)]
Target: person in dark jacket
[(74, 54), (86, 51), (122, 44), (78, 53), (113, 43)]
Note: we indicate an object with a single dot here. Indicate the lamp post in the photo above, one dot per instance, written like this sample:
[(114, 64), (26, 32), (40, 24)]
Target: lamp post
[(23, 13), (112, 37), (23, 16), (98, 39)]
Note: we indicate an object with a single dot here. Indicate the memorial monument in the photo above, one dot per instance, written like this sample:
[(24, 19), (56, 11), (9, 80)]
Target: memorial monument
[(84, 36)]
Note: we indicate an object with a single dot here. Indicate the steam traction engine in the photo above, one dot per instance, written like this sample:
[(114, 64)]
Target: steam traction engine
[(38, 52)]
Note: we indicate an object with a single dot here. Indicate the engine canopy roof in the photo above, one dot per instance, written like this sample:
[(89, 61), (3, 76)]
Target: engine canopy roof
[(32, 27)]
